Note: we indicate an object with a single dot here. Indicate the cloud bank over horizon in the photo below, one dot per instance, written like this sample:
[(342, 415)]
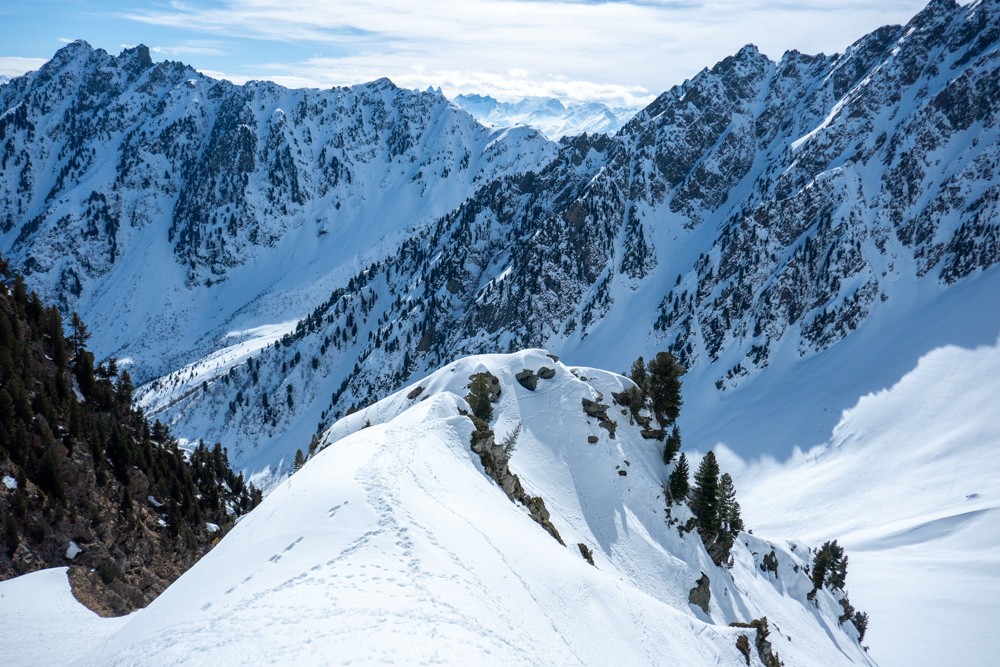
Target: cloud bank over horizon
[(622, 53)]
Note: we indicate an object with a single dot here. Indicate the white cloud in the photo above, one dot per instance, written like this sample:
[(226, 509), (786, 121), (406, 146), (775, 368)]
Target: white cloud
[(510, 85), (516, 47), (189, 48), (12, 66)]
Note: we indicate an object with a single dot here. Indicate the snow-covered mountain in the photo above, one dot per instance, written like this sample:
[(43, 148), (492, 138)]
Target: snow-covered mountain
[(393, 545), (550, 116), (155, 199), (779, 225), (801, 232)]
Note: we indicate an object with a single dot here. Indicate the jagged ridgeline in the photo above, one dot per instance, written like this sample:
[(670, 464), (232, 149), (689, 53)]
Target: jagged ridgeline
[(760, 202), (87, 481)]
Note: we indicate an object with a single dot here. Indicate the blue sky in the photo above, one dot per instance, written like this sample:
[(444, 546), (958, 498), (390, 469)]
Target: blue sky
[(619, 52)]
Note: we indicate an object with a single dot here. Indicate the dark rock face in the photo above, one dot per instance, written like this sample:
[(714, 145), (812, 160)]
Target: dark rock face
[(527, 379), (701, 594), (764, 649), (743, 646), (599, 411)]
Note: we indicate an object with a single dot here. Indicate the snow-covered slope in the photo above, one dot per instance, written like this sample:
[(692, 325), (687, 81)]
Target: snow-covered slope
[(392, 545), (908, 481), (43, 623), (550, 116)]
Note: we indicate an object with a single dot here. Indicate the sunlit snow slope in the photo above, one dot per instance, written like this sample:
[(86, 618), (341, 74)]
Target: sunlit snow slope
[(393, 545), (43, 624), (909, 483)]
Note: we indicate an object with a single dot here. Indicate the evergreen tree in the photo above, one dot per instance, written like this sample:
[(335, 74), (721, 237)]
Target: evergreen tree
[(829, 566), (672, 446), (664, 387), (10, 536), (705, 495), (479, 398), (678, 481), (49, 477), (731, 519), (80, 333), (300, 459), (638, 374), (860, 620)]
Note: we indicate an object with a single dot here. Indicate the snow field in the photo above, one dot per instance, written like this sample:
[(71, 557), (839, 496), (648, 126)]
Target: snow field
[(908, 483)]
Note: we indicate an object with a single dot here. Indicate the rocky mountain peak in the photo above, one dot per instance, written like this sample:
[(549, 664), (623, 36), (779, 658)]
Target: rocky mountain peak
[(136, 58)]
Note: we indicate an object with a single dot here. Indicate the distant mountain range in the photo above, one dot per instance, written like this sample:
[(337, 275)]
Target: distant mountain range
[(548, 115)]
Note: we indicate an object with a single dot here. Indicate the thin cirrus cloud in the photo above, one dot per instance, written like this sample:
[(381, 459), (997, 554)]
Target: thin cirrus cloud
[(618, 52), (11, 66)]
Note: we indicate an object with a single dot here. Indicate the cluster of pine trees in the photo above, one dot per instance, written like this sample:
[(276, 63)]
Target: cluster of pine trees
[(829, 569), (713, 497), (81, 464), (713, 502), (658, 386)]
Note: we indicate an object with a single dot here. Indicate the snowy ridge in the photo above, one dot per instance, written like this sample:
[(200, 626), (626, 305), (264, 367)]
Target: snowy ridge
[(392, 545)]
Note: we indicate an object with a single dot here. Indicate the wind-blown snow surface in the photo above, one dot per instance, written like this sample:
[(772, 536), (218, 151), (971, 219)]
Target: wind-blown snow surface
[(909, 483), (42, 622), (392, 545)]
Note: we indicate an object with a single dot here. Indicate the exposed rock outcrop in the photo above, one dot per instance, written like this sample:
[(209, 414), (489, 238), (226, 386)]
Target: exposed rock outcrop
[(701, 594)]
